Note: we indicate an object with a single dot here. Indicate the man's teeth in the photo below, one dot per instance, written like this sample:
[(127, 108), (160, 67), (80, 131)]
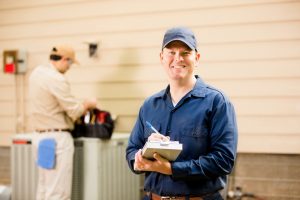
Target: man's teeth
[(178, 67)]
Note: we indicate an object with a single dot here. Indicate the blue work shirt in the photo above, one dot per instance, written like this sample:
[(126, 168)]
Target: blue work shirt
[(204, 122)]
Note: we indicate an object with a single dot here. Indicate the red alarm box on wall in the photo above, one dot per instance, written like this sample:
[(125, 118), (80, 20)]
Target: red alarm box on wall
[(14, 61)]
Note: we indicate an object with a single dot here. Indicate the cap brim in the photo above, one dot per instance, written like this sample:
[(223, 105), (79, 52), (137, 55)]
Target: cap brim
[(180, 39)]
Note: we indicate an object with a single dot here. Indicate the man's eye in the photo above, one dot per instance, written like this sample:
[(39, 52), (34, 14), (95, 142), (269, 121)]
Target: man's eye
[(172, 53), (185, 53)]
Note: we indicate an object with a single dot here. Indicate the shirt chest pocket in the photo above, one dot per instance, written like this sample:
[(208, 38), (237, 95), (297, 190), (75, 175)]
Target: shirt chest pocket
[(195, 141), (195, 131)]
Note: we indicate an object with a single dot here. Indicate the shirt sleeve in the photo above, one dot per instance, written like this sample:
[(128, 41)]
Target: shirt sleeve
[(72, 106), (223, 145), (136, 141)]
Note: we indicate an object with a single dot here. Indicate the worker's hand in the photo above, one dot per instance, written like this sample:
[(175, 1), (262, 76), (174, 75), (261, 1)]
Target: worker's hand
[(160, 164), (138, 161), (158, 137), (89, 104)]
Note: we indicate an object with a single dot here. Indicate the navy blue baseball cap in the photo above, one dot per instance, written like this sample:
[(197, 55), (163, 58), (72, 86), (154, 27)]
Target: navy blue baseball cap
[(182, 34)]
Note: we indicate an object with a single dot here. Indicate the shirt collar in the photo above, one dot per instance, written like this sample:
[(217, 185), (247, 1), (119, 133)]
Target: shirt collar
[(199, 89), (51, 66)]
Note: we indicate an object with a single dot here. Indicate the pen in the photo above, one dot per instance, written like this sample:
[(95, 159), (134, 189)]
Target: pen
[(150, 126)]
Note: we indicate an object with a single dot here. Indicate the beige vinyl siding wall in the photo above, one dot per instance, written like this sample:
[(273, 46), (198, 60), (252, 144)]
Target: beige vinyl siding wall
[(250, 50)]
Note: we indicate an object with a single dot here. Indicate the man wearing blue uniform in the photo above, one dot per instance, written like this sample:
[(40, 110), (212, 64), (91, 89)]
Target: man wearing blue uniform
[(189, 111)]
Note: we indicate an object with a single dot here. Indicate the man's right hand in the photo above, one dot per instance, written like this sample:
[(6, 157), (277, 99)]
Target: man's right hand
[(89, 104), (158, 137)]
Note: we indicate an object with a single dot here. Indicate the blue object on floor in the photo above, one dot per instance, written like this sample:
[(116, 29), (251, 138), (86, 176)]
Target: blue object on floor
[(46, 153)]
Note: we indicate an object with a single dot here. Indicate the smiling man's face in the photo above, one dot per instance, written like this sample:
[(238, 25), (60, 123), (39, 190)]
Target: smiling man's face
[(179, 60)]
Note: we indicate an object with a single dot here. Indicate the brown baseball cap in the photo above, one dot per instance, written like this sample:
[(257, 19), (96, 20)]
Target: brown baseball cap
[(65, 51)]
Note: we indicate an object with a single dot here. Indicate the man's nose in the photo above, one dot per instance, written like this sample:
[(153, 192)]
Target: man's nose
[(178, 56)]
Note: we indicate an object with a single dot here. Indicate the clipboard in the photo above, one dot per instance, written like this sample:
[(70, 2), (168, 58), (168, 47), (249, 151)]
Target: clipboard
[(169, 150)]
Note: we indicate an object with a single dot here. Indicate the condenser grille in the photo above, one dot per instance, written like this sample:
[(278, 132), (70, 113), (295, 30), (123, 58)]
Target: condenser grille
[(112, 161), (24, 171), (78, 169)]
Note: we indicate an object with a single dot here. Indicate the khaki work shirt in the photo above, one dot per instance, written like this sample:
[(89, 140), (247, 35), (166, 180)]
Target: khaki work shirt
[(53, 106)]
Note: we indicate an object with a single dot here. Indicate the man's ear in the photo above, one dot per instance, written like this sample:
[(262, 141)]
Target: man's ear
[(161, 57), (198, 56)]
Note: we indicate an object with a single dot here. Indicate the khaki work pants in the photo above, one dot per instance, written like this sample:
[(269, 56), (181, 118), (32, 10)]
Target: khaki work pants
[(56, 184)]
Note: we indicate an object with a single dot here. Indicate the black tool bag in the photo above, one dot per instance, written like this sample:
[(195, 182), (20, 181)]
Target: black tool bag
[(95, 124)]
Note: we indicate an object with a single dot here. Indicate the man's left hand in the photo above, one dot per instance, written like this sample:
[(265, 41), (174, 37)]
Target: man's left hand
[(160, 164)]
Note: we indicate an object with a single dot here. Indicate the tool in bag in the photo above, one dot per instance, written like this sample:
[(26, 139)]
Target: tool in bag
[(95, 124)]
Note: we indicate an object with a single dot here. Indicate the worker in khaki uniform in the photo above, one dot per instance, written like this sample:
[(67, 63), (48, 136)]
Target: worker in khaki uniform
[(54, 111)]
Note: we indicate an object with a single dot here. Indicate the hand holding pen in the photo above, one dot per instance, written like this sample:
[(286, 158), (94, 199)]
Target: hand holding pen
[(156, 136)]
